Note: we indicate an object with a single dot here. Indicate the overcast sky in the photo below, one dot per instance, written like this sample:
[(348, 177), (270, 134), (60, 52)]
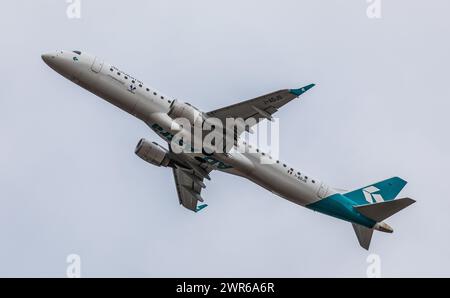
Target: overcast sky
[(71, 183)]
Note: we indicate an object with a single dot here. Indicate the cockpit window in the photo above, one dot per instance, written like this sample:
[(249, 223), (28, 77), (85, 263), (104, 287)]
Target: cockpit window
[(77, 52)]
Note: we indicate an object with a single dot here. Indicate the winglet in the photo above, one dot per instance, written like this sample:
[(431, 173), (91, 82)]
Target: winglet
[(302, 90), (201, 207)]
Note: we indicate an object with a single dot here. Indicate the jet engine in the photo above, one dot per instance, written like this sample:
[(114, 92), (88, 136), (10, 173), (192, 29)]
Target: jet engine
[(185, 111), (152, 153)]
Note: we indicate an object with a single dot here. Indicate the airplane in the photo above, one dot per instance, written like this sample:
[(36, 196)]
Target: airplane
[(365, 208)]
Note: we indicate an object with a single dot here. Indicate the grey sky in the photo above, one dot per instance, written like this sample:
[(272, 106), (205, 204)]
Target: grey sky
[(70, 182)]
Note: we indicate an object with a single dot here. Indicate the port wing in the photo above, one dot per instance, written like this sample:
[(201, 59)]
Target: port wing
[(259, 108)]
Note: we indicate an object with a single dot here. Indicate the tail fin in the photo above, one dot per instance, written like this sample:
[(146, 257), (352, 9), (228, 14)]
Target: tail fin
[(380, 211), (377, 203), (385, 190), (364, 235)]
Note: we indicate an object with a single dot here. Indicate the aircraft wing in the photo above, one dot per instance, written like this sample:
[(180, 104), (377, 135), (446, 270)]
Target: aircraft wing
[(189, 175), (260, 108), (189, 188)]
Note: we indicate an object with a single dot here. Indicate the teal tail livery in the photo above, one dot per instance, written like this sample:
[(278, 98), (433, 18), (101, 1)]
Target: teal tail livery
[(366, 207), (385, 190), (377, 202)]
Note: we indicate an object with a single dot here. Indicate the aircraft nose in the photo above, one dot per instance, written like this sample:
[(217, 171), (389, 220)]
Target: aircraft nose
[(48, 57)]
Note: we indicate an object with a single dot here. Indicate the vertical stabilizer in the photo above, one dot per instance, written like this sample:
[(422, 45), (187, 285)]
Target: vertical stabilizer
[(385, 190)]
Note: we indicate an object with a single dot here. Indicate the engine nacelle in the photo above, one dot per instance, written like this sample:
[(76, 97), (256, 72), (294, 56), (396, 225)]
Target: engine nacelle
[(152, 153), (185, 111)]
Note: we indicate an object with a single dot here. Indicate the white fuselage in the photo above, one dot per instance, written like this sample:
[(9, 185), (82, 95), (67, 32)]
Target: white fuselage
[(150, 106)]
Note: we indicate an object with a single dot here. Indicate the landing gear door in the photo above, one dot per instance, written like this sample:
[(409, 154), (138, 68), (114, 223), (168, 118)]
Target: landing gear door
[(97, 65), (323, 191)]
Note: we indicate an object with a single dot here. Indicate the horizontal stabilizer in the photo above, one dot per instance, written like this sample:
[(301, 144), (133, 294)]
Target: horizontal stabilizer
[(364, 235), (380, 211)]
